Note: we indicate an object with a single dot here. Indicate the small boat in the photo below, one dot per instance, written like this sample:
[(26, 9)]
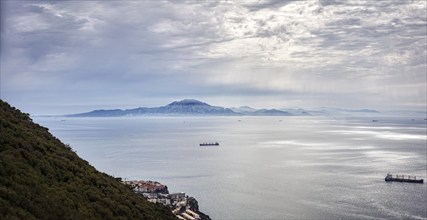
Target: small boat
[(403, 178), (209, 144)]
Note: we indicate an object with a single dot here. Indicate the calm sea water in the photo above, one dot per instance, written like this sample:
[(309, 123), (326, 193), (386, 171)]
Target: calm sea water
[(265, 167)]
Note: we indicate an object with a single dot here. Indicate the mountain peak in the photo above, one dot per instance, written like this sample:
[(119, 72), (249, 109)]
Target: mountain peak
[(193, 107), (188, 102)]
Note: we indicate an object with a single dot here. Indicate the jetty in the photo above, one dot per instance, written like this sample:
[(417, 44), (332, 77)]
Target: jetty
[(402, 178), (209, 144)]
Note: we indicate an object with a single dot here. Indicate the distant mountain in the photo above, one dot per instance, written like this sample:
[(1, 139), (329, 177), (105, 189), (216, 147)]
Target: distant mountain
[(102, 113), (269, 112), (406, 113), (296, 111), (183, 107), (194, 107), (324, 111), (243, 109)]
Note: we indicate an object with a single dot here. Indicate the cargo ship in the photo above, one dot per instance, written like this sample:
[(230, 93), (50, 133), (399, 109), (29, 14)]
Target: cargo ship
[(403, 178), (209, 144)]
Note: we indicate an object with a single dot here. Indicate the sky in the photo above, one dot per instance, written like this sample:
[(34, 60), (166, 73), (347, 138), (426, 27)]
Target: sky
[(62, 57)]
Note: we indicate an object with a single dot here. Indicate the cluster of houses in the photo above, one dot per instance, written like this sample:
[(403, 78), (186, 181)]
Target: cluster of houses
[(158, 193)]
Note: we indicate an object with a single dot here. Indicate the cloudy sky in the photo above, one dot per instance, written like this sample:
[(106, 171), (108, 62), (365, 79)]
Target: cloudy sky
[(73, 56)]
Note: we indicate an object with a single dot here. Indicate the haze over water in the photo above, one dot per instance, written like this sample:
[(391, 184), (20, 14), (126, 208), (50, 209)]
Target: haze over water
[(265, 167), (61, 57)]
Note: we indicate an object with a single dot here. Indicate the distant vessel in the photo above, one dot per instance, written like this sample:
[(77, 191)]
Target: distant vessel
[(402, 178), (210, 144)]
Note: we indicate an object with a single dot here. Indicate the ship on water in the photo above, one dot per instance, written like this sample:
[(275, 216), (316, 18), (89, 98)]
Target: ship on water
[(209, 144), (403, 178)]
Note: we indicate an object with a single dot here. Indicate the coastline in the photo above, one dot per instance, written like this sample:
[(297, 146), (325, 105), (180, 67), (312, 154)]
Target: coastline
[(181, 205)]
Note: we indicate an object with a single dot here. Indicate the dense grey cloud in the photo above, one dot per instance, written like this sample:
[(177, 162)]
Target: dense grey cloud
[(77, 55)]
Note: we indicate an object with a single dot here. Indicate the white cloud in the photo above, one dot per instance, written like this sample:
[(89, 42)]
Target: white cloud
[(309, 48)]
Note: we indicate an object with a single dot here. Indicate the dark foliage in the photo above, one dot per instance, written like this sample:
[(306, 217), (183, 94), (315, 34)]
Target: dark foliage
[(41, 178)]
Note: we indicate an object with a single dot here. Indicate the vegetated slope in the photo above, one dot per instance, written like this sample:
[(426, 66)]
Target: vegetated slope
[(41, 178)]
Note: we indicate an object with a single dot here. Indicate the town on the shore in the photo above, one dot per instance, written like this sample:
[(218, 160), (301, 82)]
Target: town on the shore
[(182, 206)]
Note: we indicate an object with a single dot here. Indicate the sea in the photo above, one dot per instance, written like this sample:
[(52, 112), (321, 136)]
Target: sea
[(265, 167)]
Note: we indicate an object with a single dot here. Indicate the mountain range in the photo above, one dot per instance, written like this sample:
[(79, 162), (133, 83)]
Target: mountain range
[(194, 107), (183, 107)]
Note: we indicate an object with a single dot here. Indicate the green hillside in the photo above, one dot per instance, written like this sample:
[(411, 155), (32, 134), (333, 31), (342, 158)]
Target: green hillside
[(41, 178)]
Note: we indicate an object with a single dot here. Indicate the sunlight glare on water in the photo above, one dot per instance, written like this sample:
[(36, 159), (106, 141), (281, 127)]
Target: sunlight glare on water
[(265, 167)]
